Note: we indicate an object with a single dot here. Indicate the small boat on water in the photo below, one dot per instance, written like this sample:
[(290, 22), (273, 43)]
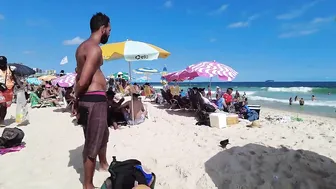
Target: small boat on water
[(268, 81)]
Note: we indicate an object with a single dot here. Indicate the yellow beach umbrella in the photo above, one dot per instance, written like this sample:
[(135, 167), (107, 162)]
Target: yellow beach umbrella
[(47, 77), (133, 51)]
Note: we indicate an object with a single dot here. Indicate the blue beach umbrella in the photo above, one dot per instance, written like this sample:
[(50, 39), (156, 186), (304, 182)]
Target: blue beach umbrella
[(146, 71), (34, 81)]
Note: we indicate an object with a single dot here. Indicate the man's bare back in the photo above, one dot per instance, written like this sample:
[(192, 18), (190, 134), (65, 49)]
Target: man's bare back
[(98, 82)]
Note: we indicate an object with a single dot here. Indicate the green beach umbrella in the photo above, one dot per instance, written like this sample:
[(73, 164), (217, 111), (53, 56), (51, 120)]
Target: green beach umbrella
[(124, 75)]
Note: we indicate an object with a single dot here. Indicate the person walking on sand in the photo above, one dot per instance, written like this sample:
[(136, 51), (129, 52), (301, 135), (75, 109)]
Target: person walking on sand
[(91, 97), (7, 82)]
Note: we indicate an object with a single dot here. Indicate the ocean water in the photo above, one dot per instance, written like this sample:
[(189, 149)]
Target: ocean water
[(277, 94)]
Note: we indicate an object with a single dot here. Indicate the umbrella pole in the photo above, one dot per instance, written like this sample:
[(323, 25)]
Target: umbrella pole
[(130, 74)]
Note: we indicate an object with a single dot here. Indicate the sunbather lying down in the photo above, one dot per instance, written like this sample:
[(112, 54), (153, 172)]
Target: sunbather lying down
[(139, 113)]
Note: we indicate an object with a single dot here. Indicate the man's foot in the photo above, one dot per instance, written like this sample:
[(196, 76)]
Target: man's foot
[(103, 167)]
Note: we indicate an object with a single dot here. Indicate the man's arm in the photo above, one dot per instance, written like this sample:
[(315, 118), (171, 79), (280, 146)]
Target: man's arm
[(90, 67)]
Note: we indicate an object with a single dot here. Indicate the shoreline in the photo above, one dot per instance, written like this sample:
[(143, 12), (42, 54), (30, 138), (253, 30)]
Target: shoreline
[(287, 108)]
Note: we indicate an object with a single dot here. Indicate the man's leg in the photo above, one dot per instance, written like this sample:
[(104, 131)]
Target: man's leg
[(89, 168), (102, 152), (102, 160)]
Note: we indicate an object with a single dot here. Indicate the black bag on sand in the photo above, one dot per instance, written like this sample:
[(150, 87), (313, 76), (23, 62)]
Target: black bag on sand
[(203, 118), (11, 137), (124, 175)]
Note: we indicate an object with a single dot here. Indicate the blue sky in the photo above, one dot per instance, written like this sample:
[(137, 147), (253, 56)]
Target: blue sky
[(262, 39)]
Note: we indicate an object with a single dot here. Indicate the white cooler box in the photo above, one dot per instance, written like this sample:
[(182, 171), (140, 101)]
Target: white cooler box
[(218, 120)]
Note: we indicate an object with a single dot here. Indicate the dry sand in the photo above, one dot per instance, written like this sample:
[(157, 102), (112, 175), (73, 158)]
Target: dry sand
[(181, 154)]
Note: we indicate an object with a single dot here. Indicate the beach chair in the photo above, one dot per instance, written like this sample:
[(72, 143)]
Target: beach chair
[(67, 103), (36, 102), (169, 99)]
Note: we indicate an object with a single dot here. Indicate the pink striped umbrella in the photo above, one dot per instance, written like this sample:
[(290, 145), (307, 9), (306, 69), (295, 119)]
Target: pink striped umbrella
[(211, 69), (180, 76), (65, 81)]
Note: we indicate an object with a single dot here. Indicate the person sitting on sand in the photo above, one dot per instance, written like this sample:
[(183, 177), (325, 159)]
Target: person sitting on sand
[(136, 88), (114, 103), (206, 100), (49, 96), (301, 102), (237, 96), (138, 112), (218, 90), (219, 102), (183, 94)]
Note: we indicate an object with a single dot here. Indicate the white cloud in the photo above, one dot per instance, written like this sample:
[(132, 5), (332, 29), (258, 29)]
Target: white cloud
[(28, 52), (220, 10), (168, 4), (298, 33), (304, 29), (2, 17), (297, 12), (75, 41), (239, 25), (212, 40), (243, 24), (322, 20), (253, 17)]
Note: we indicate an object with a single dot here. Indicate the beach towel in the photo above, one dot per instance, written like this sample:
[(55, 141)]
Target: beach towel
[(127, 174), (4, 151), (34, 100)]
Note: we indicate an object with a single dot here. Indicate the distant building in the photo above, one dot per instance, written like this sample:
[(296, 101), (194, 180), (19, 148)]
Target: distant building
[(50, 72), (37, 70)]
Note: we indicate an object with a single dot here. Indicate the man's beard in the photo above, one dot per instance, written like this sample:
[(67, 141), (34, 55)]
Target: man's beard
[(104, 38)]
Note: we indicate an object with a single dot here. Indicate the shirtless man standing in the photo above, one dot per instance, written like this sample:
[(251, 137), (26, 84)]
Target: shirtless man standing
[(90, 92)]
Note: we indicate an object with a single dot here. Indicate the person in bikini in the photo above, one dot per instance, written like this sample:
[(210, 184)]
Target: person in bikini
[(91, 97), (139, 113)]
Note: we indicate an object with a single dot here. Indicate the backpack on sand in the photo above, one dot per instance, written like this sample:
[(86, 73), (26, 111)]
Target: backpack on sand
[(11, 137), (127, 174)]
